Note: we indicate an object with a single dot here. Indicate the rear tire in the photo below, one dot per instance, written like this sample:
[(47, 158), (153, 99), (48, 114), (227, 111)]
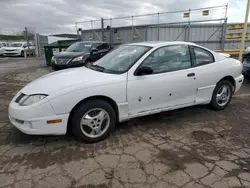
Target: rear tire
[(93, 121), (222, 95)]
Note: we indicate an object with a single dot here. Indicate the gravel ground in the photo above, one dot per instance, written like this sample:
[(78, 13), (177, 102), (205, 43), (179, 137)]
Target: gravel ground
[(191, 147)]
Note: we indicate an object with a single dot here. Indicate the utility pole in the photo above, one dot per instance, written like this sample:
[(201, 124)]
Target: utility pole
[(242, 45)]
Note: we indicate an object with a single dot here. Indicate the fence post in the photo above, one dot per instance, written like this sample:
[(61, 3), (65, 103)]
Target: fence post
[(27, 38), (37, 45), (102, 25), (158, 26), (189, 25), (76, 30), (92, 30), (186, 32), (223, 35), (132, 28), (110, 32)]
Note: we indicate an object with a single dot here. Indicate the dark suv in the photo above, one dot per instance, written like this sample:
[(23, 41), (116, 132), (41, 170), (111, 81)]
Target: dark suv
[(80, 54)]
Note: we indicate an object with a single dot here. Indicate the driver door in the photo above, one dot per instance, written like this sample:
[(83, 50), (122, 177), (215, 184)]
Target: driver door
[(171, 84)]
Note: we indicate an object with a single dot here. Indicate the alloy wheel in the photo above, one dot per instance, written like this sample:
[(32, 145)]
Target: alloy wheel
[(95, 123)]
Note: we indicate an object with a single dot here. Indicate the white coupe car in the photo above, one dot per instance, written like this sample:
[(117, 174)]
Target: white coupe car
[(131, 81)]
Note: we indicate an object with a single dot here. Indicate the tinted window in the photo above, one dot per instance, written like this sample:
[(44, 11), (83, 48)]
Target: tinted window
[(169, 58), (202, 56), (4, 44), (79, 47), (99, 47), (105, 46)]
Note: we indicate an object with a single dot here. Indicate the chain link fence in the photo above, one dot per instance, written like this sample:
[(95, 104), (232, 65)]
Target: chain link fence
[(204, 26)]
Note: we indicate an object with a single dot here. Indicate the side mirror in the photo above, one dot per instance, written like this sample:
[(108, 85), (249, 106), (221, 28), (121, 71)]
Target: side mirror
[(144, 70), (94, 50), (24, 46)]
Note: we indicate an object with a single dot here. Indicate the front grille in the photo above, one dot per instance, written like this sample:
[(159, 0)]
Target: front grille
[(10, 50), (61, 61), (19, 98)]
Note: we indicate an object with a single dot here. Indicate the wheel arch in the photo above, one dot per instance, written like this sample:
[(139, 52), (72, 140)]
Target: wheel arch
[(101, 97), (230, 79)]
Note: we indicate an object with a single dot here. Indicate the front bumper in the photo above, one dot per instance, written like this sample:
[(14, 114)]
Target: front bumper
[(33, 119), (69, 65), (12, 53)]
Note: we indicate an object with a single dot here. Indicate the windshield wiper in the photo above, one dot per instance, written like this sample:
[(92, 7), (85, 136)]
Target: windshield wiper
[(97, 67)]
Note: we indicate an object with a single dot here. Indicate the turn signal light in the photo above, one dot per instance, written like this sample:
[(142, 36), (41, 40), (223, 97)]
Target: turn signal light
[(54, 121)]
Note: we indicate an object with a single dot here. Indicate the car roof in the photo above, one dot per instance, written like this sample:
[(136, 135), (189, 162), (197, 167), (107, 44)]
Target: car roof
[(161, 43)]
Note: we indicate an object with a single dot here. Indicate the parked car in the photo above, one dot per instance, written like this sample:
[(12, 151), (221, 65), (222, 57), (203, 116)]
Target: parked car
[(131, 81), (2, 46), (80, 54), (246, 63), (18, 49)]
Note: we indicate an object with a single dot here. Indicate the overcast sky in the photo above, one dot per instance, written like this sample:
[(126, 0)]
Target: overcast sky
[(59, 16)]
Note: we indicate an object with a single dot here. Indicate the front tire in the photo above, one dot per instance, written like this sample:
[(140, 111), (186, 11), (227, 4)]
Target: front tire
[(87, 63), (93, 121), (222, 95), (22, 53)]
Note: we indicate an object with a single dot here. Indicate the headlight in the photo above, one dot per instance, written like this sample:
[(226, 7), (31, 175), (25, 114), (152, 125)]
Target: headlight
[(80, 58), (31, 99)]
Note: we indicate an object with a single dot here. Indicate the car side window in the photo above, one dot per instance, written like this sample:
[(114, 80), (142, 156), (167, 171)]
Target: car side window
[(99, 47), (168, 59), (105, 46), (202, 57)]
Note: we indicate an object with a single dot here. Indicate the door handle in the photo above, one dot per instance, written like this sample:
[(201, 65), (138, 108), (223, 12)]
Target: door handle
[(191, 74)]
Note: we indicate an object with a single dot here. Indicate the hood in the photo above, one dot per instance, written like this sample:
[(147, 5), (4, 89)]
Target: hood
[(13, 48), (69, 80), (69, 54)]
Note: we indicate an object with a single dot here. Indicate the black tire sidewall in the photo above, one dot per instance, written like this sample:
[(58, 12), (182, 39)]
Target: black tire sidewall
[(85, 107), (213, 102), (87, 63), (54, 68), (22, 53)]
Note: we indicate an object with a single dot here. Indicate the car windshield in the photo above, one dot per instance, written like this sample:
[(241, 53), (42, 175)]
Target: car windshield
[(120, 59), (79, 47), (16, 44)]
